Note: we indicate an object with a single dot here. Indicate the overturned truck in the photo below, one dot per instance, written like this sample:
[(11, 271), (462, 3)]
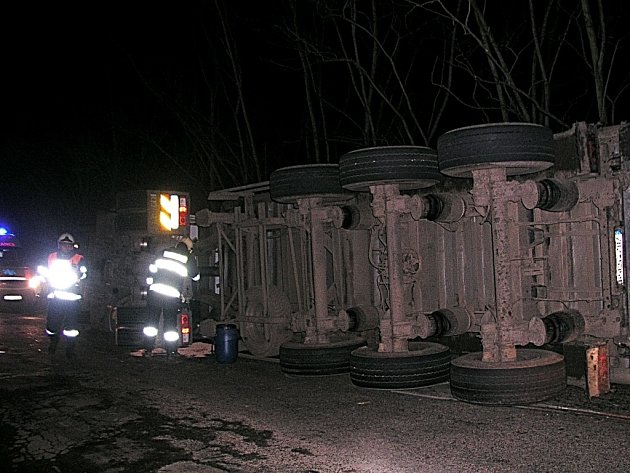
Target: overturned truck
[(496, 262), (122, 245)]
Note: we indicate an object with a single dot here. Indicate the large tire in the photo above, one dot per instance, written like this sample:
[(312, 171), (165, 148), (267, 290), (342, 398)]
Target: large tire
[(411, 167), (263, 338), (301, 359), (425, 364), (536, 375), (287, 185), (521, 148)]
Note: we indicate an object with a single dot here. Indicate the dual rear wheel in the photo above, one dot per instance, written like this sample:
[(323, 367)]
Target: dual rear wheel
[(535, 375), (520, 148)]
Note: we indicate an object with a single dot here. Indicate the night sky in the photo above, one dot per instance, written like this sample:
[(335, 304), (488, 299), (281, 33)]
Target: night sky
[(100, 97), (81, 95)]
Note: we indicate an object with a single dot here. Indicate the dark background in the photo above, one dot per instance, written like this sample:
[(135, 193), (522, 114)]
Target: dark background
[(102, 97)]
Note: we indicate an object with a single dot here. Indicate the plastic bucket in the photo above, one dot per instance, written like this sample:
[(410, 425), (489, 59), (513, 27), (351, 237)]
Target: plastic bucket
[(226, 343)]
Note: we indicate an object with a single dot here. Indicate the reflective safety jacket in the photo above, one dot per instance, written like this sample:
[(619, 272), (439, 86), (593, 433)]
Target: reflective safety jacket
[(64, 274), (169, 272)]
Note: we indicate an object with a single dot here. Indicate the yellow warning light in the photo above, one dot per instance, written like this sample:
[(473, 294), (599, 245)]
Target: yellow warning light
[(169, 211)]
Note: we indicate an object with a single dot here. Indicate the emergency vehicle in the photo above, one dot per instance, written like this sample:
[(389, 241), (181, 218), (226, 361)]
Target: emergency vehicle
[(20, 288)]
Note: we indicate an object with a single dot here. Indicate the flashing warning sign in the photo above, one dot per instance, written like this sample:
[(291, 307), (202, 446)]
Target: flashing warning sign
[(168, 212)]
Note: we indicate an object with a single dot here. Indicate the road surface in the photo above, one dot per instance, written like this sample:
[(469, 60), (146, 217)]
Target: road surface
[(111, 412)]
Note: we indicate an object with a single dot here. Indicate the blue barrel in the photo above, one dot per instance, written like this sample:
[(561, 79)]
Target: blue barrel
[(226, 343)]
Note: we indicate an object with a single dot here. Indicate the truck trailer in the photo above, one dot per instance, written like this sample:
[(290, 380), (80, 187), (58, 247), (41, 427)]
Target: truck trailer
[(496, 262)]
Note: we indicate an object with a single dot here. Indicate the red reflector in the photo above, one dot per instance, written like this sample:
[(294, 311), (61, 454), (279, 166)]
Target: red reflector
[(603, 370), (184, 319)]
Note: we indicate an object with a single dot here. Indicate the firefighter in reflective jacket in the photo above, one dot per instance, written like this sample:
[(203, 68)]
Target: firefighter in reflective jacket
[(169, 273), (65, 272)]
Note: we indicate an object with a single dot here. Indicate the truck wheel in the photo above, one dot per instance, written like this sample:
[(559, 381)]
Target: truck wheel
[(288, 184), (521, 148), (264, 333), (411, 167), (317, 359), (424, 364), (534, 376)]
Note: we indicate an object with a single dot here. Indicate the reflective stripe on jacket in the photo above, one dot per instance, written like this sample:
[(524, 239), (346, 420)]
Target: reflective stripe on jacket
[(64, 275), (169, 272), (77, 261)]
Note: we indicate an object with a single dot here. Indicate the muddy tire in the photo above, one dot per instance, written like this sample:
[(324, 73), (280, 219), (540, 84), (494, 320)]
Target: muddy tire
[(287, 185), (425, 364), (521, 148), (411, 167), (299, 359), (536, 375), (264, 333)]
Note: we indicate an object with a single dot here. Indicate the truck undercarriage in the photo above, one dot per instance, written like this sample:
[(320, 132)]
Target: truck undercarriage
[(505, 235)]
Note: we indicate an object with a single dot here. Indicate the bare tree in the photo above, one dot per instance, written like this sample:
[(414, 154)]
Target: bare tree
[(223, 150), (509, 51), (384, 72), (601, 62), (361, 61), (557, 37)]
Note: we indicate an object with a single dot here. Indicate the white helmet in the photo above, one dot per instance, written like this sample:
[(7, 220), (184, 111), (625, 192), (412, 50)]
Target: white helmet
[(66, 238)]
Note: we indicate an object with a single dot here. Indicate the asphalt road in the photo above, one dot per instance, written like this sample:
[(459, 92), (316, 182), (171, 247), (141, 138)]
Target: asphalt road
[(112, 412)]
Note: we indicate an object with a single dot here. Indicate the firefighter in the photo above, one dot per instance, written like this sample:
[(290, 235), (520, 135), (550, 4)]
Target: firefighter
[(169, 273), (65, 272)]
